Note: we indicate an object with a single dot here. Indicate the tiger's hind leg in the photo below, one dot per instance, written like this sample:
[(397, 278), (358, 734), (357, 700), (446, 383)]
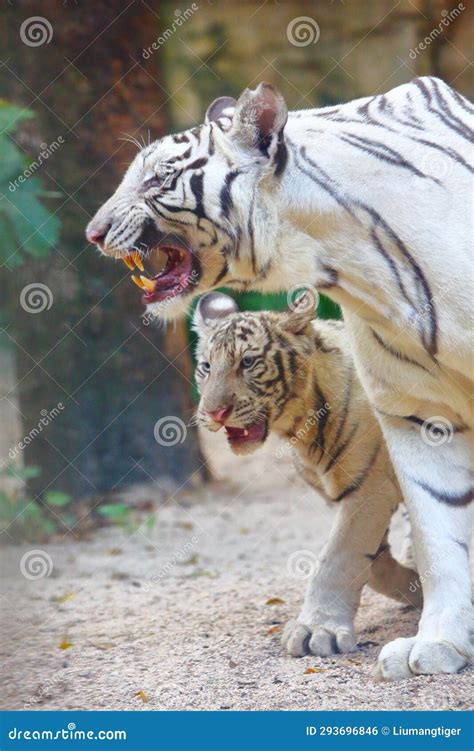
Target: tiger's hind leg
[(393, 579), (436, 482)]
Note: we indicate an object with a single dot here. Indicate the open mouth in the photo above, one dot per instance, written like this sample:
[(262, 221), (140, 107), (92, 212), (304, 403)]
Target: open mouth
[(176, 270), (254, 433)]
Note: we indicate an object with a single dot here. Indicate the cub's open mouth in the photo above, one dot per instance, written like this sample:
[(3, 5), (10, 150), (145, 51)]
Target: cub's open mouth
[(176, 268), (254, 433)]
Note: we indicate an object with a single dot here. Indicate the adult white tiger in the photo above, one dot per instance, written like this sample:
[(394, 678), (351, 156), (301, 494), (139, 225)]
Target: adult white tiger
[(347, 199)]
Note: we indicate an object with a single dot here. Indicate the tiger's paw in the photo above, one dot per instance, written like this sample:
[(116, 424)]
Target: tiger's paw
[(404, 658), (300, 639)]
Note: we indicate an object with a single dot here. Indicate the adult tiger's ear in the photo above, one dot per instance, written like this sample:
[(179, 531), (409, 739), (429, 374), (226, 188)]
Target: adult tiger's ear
[(211, 309), (302, 310), (259, 119), (220, 108)]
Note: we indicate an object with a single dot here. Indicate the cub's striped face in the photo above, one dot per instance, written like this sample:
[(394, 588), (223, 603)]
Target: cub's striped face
[(183, 212), (246, 363)]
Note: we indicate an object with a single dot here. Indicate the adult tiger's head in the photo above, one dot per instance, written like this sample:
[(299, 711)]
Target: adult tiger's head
[(249, 366), (198, 208)]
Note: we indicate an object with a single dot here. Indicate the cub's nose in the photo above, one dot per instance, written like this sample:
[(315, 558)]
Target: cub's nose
[(97, 235), (221, 414)]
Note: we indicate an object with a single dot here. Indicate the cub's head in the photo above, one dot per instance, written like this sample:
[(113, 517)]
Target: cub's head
[(196, 209), (249, 366)]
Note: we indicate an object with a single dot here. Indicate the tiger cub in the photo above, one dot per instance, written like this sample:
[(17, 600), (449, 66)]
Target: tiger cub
[(293, 375)]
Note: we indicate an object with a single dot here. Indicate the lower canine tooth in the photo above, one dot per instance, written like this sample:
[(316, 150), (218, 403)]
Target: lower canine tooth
[(147, 284), (246, 432), (137, 281)]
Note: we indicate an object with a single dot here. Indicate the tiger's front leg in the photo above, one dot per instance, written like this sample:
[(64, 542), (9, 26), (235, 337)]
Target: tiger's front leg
[(326, 623), (433, 465)]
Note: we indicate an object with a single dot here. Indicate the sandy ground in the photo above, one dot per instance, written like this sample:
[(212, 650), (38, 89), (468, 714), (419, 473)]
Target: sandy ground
[(181, 616)]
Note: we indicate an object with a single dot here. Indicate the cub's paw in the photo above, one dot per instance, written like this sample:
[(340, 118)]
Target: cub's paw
[(319, 640), (403, 658)]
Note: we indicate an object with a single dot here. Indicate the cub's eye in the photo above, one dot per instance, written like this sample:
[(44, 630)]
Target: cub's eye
[(247, 361), (206, 367)]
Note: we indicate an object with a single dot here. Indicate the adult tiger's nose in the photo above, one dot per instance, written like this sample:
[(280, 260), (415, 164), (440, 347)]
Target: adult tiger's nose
[(97, 235), (221, 414)]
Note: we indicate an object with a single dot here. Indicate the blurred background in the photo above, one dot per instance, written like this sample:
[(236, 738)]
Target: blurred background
[(84, 381)]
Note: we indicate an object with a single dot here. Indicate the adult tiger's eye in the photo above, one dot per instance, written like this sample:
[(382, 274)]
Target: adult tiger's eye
[(206, 367), (153, 182), (247, 361)]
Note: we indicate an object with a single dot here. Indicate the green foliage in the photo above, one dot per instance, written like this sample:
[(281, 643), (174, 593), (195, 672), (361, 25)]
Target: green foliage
[(24, 518), (26, 226)]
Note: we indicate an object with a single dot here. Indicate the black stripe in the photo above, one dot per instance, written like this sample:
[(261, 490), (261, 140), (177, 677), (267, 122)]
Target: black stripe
[(340, 450), (197, 164), (342, 417), (226, 193), (360, 479), (398, 355), (461, 131), (281, 156), (196, 183), (446, 150), (319, 442), (432, 426), (220, 275), (446, 108), (451, 499), (385, 153)]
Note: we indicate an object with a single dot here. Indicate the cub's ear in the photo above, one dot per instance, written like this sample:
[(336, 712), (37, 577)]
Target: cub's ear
[(259, 118), (211, 309), (223, 107), (302, 310)]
